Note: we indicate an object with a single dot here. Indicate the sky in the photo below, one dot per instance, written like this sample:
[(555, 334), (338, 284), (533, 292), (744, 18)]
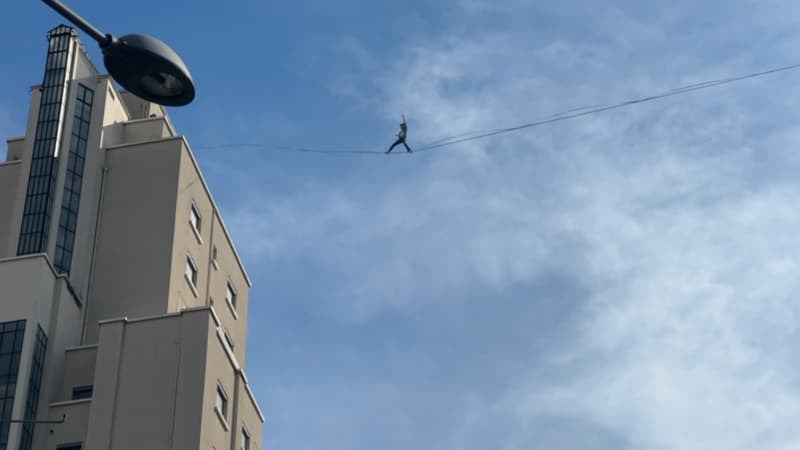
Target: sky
[(624, 280)]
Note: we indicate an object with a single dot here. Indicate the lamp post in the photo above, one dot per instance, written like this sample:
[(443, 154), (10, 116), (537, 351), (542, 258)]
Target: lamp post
[(143, 65)]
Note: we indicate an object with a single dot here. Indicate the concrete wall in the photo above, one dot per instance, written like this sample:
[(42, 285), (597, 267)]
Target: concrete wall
[(160, 374), (227, 268), (15, 148), (249, 416), (144, 130), (33, 292), (141, 109), (11, 208), (15, 221), (90, 189), (73, 430), (134, 250), (217, 429), (213, 273), (222, 368), (79, 366), (9, 182), (188, 242)]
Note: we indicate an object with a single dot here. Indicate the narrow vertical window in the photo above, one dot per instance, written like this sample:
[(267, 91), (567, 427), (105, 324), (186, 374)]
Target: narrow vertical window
[(228, 338), (34, 384), (221, 402), (71, 200), (11, 334), (230, 294), (245, 439), (195, 218), (38, 209), (191, 271)]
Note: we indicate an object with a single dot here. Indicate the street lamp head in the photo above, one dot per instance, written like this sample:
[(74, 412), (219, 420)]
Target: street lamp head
[(149, 68), (142, 64)]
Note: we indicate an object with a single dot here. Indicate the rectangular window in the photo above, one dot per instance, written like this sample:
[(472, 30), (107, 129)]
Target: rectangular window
[(81, 392), (71, 446), (222, 401), (11, 334), (34, 383), (228, 339), (195, 218), (191, 270), (245, 439), (38, 207), (71, 199), (230, 294)]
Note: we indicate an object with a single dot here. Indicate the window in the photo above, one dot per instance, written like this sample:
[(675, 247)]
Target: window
[(191, 270), (34, 383), (38, 209), (195, 218), (230, 294), (214, 257), (72, 446), (11, 334), (228, 339), (222, 401), (65, 240), (81, 392), (245, 439)]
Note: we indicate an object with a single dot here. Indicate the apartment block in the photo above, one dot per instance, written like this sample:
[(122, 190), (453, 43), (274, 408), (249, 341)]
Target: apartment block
[(123, 301)]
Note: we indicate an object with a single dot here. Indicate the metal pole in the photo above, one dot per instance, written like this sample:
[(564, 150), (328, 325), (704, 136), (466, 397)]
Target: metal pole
[(63, 419), (102, 38)]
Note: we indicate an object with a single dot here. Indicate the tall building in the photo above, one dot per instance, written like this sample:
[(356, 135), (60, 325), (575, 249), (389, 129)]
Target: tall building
[(123, 302)]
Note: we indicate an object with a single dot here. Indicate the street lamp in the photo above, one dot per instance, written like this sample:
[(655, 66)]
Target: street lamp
[(143, 65)]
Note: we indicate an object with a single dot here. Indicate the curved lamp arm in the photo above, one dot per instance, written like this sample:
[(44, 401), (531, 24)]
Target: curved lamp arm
[(102, 38), (143, 65)]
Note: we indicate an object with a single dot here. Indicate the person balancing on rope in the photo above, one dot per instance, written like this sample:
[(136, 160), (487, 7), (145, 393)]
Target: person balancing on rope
[(401, 137)]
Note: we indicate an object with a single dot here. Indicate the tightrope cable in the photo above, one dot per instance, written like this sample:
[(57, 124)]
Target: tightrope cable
[(557, 117)]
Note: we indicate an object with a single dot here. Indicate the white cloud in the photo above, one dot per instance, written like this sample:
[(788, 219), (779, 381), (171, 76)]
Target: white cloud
[(687, 344), (669, 213)]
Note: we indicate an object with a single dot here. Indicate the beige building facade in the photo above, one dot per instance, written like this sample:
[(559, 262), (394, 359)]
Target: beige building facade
[(123, 301)]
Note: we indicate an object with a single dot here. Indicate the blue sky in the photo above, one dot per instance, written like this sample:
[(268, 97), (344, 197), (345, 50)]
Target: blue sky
[(621, 281)]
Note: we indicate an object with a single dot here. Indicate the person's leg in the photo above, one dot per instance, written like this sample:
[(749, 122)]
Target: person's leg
[(396, 143), (408, 149)]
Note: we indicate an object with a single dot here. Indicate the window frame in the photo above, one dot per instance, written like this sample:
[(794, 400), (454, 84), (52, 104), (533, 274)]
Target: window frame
[(228, 338), (81, 391), (70, 446), (194, 272), (224, 396), (245, 438), (194, 213), (229, 287)]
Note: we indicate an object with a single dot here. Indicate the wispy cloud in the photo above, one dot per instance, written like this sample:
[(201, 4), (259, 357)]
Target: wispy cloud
[(675, 220)]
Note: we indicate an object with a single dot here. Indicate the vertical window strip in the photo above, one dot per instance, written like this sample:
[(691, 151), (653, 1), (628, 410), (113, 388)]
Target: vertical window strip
[(34, 385), (11, 335), (74, 180), (44, 164)]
